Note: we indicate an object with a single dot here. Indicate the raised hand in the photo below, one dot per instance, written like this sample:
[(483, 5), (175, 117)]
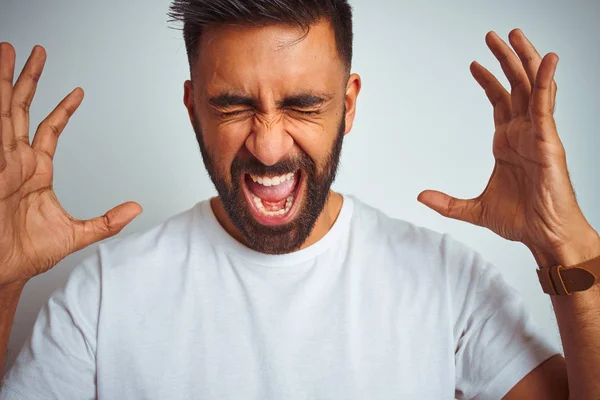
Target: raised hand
[(529, 197), (35, 231)]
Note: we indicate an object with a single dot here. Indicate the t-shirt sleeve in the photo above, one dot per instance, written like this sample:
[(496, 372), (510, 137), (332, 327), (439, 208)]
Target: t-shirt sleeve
[(58, 359), (497, 342)]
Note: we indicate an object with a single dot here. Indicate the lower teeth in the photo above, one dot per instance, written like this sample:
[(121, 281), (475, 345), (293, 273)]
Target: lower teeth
[(288, 205)]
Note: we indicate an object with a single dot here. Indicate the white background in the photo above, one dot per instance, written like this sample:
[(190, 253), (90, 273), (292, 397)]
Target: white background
[(422, 122)]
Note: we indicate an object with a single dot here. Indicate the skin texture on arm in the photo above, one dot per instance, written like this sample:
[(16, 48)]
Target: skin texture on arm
[(579, 325), (9, 298), (547, 381)]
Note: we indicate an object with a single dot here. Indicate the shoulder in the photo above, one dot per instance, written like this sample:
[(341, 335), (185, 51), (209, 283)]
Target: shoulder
[(167, 242), (377, 226), (414, 245)]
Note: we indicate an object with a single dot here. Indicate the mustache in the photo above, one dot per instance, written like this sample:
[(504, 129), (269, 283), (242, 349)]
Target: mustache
[(255, 167)]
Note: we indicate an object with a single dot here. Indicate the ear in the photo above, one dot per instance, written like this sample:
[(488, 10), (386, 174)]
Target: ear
[(352, 91), (188, 98)]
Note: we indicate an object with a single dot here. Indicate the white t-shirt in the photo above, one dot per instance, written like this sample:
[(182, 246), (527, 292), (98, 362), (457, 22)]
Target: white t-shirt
[(378, 309)]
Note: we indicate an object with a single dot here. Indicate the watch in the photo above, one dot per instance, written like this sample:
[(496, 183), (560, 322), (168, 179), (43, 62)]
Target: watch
[(561, 281)]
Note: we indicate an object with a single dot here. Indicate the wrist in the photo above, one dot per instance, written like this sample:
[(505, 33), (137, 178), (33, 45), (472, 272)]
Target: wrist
[(12, 289), (584, 248)]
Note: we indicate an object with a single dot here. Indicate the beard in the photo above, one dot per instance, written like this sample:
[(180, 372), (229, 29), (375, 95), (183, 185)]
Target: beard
[(288, 237)]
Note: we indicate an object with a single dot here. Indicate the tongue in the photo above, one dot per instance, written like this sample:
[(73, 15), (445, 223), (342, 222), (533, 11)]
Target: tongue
[(272, 193)]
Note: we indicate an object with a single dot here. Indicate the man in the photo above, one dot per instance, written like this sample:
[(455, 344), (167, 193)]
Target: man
[(280, 288)]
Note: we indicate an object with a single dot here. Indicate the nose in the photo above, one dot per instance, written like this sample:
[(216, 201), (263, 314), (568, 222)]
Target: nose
[(269, 142)]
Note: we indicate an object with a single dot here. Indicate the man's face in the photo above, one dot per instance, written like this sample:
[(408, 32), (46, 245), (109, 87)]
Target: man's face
[(269, 112)]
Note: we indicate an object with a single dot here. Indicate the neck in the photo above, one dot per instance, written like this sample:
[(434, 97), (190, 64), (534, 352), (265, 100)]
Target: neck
[(324, 222)]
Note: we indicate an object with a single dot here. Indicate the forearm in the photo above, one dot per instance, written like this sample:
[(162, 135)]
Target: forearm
[(578, 318), (9, 298)]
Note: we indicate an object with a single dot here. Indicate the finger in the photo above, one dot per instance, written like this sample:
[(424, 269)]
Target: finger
[(47, 134), (451, 207), (554, 91), (111, 223), (24, 91), (495, 92), (542, 102), (513, 69), (2, 157), (7, 72), (529, 56)]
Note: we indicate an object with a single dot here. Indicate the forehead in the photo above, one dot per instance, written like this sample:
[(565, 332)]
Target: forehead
[(277, 59)]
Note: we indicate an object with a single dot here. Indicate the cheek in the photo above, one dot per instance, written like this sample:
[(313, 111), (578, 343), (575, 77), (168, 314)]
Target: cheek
[(315, 138), (225, 142)]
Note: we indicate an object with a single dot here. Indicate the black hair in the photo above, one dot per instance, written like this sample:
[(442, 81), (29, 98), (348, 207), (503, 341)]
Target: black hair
[(196, 15)]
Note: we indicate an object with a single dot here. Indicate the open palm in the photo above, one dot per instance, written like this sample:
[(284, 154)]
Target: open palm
[(35, 231), (529, 197)]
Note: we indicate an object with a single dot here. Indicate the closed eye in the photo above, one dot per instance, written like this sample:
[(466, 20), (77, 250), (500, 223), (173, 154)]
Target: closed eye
[(305, 112), (232, 113)]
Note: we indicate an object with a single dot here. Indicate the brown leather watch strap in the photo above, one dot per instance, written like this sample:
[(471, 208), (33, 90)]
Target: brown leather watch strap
[(559, 280)]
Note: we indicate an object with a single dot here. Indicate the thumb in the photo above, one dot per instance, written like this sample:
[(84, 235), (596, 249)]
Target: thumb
[(451, 207), (111, 223)]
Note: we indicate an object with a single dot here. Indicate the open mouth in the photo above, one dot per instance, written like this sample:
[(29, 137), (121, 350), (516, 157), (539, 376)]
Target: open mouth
[(273, 200)]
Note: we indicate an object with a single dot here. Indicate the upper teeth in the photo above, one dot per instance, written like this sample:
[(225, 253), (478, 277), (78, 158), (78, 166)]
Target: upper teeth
[(272, 180)]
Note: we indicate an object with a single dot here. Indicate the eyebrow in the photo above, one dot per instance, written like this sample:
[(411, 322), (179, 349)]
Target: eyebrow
[(302, 100), (232, 99)]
